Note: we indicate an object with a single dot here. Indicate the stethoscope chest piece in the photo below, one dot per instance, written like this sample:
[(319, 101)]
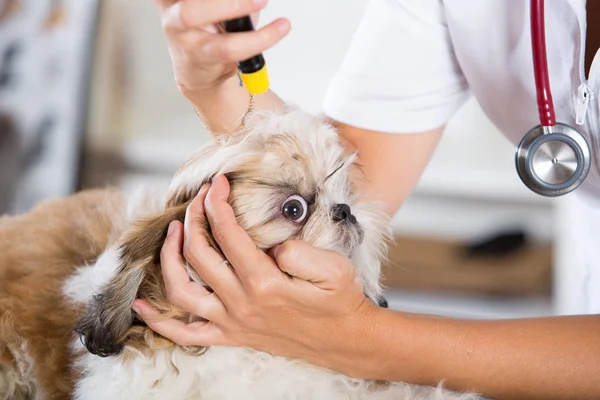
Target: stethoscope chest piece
[(553, 161)]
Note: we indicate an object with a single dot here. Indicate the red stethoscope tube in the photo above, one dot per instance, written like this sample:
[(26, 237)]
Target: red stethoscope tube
[(552, 159), (540, 65)]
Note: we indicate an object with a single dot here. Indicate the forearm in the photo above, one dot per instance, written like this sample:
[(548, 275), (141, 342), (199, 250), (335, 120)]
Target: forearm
[(223, 107), (546, 358), (391, 163)]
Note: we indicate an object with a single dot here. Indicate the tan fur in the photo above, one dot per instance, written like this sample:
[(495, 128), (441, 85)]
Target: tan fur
[(41, 249), (11, 386), (35, 320), (110, 326), (139, 277)]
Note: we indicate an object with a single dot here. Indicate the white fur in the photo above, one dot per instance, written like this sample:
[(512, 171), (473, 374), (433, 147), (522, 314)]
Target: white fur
[(317, 138), (224, 373), (229, 374)]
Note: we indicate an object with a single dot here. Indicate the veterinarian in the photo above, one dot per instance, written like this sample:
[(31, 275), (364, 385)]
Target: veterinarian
[(410, 67)]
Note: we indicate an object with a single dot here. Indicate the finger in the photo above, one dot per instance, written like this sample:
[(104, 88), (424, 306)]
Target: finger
[(236, 244), (206, 261), (164, 4), (240, 46), (173, 269), (196, 14), (327, 270), (181, 291), (198, 333)]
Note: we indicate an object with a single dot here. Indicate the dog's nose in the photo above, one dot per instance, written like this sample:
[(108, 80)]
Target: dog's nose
[(342, 212)]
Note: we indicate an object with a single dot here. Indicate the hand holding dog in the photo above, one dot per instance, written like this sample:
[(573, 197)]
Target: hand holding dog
[(322, 317), (255, 303)]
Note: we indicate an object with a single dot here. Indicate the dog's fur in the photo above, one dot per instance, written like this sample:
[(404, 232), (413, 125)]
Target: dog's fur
[(71, 268)]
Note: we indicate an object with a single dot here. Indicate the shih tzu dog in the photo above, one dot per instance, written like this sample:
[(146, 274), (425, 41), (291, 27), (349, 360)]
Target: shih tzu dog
[(71, 268)]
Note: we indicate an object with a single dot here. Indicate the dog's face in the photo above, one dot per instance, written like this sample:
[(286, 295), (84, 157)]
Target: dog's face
[(290, 179)]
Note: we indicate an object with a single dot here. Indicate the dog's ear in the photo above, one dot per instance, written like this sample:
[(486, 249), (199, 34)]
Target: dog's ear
[(105, 327)]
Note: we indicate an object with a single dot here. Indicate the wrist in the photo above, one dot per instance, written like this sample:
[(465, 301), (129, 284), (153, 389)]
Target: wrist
[(384, 340), (203, 93), (357, 348), (198, 92), (373, 349), (222, 107), (224, 91)]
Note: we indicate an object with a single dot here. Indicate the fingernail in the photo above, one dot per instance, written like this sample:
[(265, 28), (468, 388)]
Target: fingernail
[(204, 189), (175, 12), (171, 228), (216, 181), (274, 251), (283, 27)]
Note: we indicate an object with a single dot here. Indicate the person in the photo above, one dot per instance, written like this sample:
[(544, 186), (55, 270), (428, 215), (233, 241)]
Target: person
[(409, 68)]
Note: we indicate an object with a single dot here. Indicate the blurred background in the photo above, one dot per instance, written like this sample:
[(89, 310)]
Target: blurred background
[(87, 98)]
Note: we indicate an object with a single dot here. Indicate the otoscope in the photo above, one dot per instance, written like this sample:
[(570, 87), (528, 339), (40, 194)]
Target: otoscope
[(253, 71)]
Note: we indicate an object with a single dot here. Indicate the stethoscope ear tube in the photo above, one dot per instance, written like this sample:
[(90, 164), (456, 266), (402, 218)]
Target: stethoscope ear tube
[(553, 158)]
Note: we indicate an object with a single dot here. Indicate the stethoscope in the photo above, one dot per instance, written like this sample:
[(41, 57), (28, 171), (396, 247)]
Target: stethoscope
[(552, 159)]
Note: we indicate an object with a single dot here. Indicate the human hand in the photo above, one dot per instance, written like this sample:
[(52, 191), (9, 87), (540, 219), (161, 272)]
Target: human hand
[(313, 316), (203, 56)]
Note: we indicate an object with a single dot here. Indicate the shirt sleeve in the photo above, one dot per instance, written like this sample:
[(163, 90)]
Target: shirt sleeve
[(400, 74)]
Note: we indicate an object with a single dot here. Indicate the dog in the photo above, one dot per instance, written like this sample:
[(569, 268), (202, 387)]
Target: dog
[(71, 268)]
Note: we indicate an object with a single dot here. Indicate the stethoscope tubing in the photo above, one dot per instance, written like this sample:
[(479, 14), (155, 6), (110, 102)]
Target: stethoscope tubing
[(552, 158), (545, 102)]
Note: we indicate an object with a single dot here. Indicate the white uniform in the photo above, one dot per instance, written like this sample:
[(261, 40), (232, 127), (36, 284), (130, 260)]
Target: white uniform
[(413, 63)]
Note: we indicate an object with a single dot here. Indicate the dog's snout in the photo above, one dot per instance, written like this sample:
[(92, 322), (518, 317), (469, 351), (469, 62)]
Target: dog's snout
[(342, 212)]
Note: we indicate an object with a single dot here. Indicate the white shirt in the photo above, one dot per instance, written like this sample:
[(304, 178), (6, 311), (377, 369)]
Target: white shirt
[(413, 63)]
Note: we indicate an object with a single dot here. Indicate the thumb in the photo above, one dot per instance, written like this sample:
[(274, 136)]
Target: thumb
[(326, 269)]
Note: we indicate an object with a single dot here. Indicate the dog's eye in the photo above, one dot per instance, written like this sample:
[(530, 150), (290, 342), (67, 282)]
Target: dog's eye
[(294, 208)]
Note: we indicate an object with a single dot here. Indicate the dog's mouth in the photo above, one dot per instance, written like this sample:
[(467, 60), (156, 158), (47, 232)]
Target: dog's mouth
[(351, 235)]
